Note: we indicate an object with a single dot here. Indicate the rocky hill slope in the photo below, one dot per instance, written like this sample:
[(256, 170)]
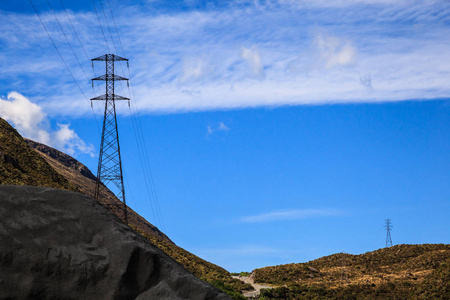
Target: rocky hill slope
[(58, 244), (398, 272)]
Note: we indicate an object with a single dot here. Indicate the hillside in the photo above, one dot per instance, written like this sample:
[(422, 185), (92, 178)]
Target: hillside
[(20, 164), (398, 272)]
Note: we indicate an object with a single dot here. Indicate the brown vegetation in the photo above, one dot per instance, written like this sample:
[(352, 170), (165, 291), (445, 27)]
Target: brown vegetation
[(20, 165), (398, 272)]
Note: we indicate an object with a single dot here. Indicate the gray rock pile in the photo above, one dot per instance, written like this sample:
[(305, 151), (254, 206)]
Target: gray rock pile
[(56, 244)]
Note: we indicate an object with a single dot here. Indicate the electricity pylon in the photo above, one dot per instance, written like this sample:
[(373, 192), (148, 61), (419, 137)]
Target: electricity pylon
[(388, 227), (109, 161)]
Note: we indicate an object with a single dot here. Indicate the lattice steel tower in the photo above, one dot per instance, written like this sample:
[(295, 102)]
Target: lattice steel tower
[(388, 227), (109, 161)]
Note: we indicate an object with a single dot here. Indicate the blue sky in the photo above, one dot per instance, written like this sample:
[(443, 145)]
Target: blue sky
[(276, 131)]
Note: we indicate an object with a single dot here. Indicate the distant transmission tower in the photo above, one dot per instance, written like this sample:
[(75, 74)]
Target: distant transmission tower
[(388, 227), (109, 161)]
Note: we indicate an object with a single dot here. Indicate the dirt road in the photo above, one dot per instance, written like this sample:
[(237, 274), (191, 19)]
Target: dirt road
[(256, 286)]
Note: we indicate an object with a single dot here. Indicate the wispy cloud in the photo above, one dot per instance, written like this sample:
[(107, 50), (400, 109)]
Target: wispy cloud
[(253, 58), (334, 51), (210, 129), (208, 57), (31, 121), (194, 68), (366, 81), (290, 215)]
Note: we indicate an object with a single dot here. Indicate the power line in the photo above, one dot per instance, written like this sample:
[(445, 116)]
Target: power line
[(107, 25), (57, 50), (146, 169), (76, 34), (137, 128), (103, 33), (149, 170), (110, 34), (145, 163), (112, 39), (142, 164), (135, 115), (60, 55), (104, 36), (118, 36), (129, 189), (68, 42), (115, 25)]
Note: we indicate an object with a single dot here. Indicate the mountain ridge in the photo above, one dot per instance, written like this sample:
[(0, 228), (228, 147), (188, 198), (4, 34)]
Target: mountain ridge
[(397, 272)]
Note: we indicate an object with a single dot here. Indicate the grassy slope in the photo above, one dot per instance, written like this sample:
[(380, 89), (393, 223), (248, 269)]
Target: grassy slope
[(398, 272), (22, 165)]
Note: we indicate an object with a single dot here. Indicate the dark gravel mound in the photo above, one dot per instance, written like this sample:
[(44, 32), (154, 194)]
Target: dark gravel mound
[(56, 244)]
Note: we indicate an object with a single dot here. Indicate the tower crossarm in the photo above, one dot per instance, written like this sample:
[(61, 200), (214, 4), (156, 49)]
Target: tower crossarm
[(108, 77), (110, 97), (109, 57)]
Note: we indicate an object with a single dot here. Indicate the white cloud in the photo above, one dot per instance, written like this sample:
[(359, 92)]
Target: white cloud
[(193, 60), (31, 122), (223, 127), (67, 140), (290, 215), (342, 3), (253, 58), (335, 51), (194, 68), (210, 129), (366, 81), (26, 116)]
